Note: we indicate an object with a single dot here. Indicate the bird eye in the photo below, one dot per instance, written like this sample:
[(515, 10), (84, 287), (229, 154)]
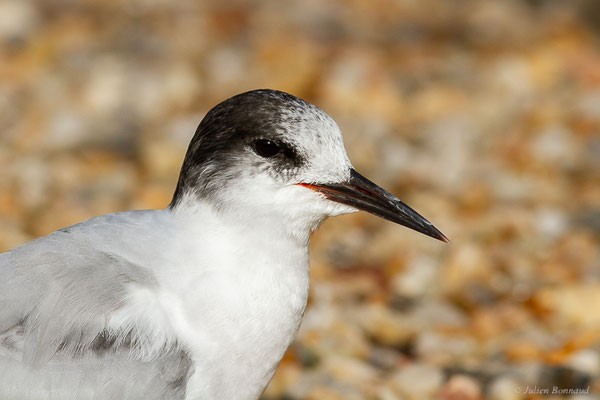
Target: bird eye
[(266, 148)]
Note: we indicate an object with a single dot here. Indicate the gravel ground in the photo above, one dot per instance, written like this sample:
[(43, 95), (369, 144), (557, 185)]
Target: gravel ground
[(483, 115)]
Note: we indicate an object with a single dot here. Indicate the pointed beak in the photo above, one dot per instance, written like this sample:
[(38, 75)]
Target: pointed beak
[(361, 193)]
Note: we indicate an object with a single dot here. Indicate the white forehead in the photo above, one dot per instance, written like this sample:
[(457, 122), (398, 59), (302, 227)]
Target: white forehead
[(319, 140)]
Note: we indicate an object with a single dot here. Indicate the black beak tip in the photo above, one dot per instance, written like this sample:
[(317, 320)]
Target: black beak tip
[(440, 236), (425, 227)]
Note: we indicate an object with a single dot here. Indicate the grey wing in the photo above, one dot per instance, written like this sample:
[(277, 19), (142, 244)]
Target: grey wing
[(56, 295)]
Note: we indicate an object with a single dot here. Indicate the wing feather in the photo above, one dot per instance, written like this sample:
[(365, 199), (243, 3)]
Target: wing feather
[(57, 295)]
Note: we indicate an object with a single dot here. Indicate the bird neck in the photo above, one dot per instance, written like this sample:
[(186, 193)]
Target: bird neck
[(270, 223)]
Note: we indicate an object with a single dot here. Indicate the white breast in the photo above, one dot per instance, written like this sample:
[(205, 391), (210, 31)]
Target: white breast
[(233, 297)]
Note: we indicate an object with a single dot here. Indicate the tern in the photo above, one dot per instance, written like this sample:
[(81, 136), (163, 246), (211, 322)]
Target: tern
[(199, 300)]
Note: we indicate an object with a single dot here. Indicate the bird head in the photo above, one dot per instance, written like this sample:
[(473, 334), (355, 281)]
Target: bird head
[(267, 153)]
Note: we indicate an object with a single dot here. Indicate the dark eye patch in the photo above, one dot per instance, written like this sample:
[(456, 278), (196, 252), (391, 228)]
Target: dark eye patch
[(266, 148), (231, 129)]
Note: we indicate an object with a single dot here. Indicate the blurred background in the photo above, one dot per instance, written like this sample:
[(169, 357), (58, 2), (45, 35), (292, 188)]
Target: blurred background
[(482, 115)]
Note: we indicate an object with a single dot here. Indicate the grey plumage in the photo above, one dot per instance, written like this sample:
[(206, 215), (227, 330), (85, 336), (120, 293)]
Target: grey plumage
[(56, 295)]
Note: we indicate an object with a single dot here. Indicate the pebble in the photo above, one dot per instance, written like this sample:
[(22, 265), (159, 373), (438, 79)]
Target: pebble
[(555, 146), (417, 382), (461, 387), (18, 20), (66, 130), (551, 223), (386, 326), (571, 304), (418, 276), (505, 388), (439, 348), (586, 360), (466, 264)]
